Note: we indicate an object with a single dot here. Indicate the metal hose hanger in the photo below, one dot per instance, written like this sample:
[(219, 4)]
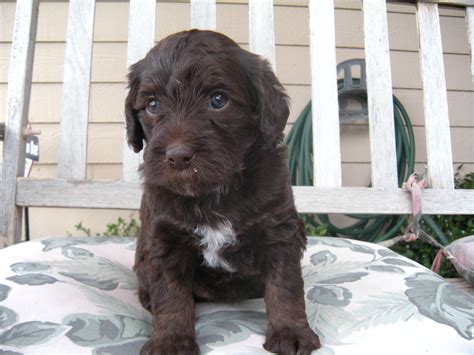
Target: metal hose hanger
[(373, 228)]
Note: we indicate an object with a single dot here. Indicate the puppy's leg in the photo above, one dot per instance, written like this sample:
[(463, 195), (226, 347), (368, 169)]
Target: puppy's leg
[(140, 269), (170, 274), (288, 328)]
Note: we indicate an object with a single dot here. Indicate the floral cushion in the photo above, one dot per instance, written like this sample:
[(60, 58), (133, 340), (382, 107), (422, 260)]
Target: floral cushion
[(78, 295)]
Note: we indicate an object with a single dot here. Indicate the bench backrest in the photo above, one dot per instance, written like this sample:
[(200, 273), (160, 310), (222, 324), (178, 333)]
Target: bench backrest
[(72, 189)]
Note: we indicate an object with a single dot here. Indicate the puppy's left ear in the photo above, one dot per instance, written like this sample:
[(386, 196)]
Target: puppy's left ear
[(272, 103)]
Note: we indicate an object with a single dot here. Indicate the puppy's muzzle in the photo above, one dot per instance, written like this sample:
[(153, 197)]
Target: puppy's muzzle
[(179, 156)]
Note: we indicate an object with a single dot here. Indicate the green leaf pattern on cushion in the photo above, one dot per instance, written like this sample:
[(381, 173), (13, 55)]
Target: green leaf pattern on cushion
[(382, 309), (227, 327), (54, 243), (33, 279), (7, 317), (99, 272), (4, 290), (28, 268), (338, 303), (29, 333), (92, 330), (76, 253), (442, 302)]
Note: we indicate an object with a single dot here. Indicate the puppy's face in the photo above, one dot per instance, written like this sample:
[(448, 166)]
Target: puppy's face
[(199, 103)]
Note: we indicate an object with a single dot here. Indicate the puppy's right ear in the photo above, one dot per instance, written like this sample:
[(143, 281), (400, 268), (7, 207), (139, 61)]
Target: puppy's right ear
[(135, 135)]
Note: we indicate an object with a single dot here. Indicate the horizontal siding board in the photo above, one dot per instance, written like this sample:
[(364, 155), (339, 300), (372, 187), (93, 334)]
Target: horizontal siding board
[(104, 8), (105, 141), (109, 65), (67, 218), (460, 104), (174, 17), (107, 98), (103, 194)]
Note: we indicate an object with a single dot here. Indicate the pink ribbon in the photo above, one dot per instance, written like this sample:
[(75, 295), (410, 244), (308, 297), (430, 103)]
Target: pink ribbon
[(415, 185)]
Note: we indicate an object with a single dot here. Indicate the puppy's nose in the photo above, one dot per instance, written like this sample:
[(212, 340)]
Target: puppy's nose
[(179, 156)]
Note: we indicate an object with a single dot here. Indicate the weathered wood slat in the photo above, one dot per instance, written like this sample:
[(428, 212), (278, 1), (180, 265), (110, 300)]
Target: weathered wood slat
[(75, 97), (141, 37), (326, 138), (123, 195), (379, 95), (261, 29), (203, 14), (18, 99), (435, 101), (470, 35)]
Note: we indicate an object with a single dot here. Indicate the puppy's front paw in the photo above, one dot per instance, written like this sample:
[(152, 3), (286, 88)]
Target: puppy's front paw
[(170, 345), (291, 341)]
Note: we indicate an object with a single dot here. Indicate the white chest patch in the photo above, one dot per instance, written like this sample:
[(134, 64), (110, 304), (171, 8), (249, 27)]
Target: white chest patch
[(213, 239)]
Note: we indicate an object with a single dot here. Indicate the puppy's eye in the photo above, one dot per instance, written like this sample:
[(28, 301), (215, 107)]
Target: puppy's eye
[(153, 106), (218, 100)]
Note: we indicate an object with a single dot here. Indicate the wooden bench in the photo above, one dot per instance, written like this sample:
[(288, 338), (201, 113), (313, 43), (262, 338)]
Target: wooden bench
[(351, 287), (72, 189)]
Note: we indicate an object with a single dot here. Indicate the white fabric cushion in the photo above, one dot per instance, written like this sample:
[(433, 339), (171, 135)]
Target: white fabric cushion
[(78, 295)]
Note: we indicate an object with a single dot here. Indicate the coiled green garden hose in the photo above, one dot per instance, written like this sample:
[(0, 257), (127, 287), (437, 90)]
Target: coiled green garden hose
[(373, 228)]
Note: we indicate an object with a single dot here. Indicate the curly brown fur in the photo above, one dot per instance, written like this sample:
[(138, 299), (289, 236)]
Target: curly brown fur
[(218, 216)]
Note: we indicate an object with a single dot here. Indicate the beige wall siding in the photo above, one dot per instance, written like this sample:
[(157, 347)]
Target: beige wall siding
[(292, 58)]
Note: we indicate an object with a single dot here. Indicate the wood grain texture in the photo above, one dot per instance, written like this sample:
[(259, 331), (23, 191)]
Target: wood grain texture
[(104, 194), (76, 90), (16, 117), (203, 14), (470, 35), (141, 34), (326, 140), (435, 101), (379, 95), (261, 30), (79, 193)]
